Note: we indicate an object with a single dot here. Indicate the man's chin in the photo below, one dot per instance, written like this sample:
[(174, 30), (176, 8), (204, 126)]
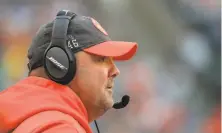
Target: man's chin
[(109, 104)]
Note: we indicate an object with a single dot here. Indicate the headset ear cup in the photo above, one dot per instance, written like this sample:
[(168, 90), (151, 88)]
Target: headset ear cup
[(59, 65)]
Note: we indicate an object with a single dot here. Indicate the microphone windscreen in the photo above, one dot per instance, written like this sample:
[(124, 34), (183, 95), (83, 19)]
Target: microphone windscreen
[(125, 100)]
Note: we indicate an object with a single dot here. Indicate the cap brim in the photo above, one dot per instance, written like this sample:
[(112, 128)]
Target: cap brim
[(118, 50)]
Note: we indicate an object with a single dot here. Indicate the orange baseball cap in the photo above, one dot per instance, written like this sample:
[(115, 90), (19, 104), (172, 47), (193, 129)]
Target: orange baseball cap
[(119, 50)]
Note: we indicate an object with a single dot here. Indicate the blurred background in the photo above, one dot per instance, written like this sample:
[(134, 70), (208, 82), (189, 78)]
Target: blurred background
[(174, 80)]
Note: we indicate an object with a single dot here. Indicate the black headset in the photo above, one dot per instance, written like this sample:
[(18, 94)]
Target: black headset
[(59, 61)]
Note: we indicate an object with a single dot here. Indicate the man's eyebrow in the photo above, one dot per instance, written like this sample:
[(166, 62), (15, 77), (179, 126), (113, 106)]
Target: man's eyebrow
[(98, 56)]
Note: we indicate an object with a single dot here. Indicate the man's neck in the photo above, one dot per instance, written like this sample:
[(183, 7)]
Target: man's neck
[(39, 72)]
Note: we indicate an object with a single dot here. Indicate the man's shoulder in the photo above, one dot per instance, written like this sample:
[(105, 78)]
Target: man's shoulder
[(49, 120)]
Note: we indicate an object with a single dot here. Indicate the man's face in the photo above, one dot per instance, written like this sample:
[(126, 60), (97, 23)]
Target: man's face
[(94, 81)]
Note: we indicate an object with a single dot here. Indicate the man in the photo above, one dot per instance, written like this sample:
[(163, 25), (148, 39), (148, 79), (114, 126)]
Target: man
[(41, 103)]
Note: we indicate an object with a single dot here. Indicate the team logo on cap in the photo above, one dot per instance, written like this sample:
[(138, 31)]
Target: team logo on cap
[(66, 11), (99, 27)]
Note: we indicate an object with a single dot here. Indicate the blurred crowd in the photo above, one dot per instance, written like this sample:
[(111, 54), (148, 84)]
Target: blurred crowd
[(174, 80)]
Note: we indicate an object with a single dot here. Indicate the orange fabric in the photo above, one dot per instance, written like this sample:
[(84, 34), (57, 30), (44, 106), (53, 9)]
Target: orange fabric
[(61, 123), (116, 49), (213, 122), (40, 105)]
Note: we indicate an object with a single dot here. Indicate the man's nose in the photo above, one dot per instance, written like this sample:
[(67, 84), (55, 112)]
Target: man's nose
[(114, 71)]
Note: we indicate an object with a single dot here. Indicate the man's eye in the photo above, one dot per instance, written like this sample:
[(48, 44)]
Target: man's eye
[(102, 59)]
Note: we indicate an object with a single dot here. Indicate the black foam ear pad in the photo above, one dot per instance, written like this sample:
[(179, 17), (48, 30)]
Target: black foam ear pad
[(60, 65)]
